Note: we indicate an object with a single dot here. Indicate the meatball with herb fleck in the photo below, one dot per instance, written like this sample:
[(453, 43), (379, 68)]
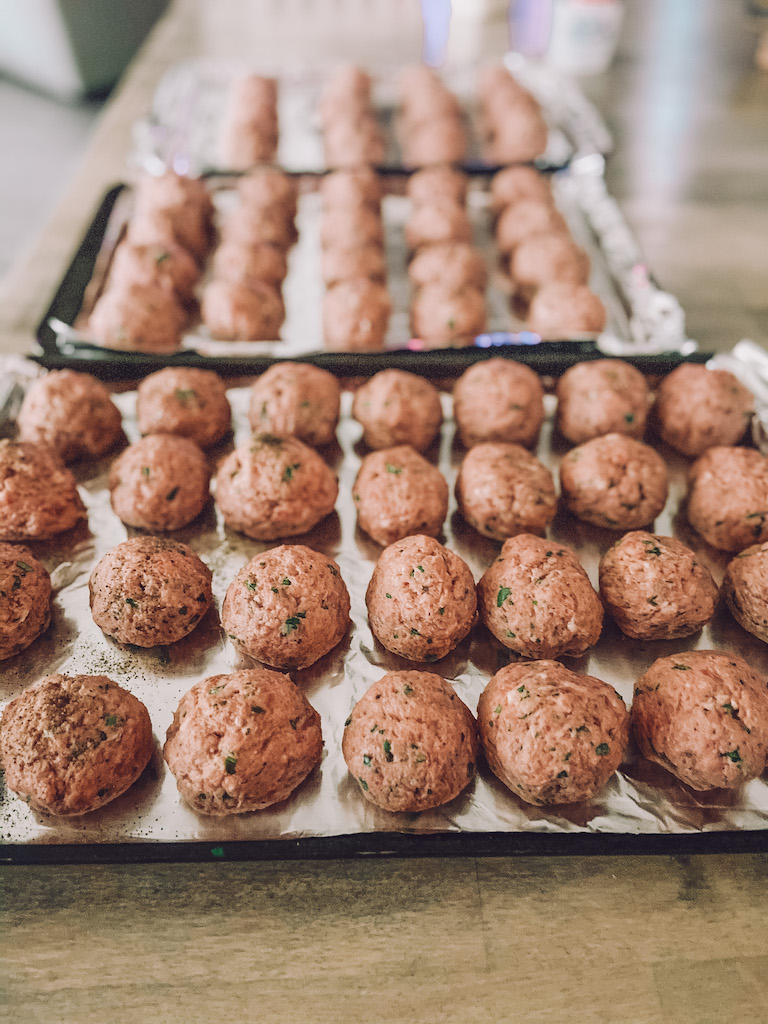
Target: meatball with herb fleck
[(397, 493), (185, 401), (537, 600), (421, 599), (397, 407), (25, 599), (654, 588), (242, 742), (503, 490), (614, 481), (297, 400), (70, 744), (410, 742), (551, 735), (607, 396), (703, 715), (287, 607), (356, 315), (435, 222), (728, 497), (498, 400), (444, 318), (38, 496), (561, 310), (149, 591), (273, 487), (237, 312), (159, 483), (745, 592), (697, 408), (453, 265), (137, 318)]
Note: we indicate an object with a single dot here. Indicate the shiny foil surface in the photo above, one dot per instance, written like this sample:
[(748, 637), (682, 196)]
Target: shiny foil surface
[(641, 798)]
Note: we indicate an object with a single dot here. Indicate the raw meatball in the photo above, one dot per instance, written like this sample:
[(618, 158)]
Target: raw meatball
[(607, 396), (186, 401), (551, 735), (274, 487), (352, 186), (247, 225), (421, 599), (149, 591), (442, 317), (298, 400), (503, 490), (454, 265), (435, 222), (434, 184), (728, 497), (242, 742), (362, 261), (25, 599), (356, 315), (654, 589), (71, 412), (137, 318), (559, 310), (249, 133), (697, 408), (269, 187), (537, 600), (234, 312), (170, 266), (410, 742), (514, 184), (38, 496), (703, 715), (438, 140), (519, 137), (745, 592), (397, 493), (397, 407), (250, 264), (171, 191), (349, 227), (614, 481), (526, 218), (159, 483), (164, 227), (498, 400), (355, 142), (287, 607), (544, 259), (70, 744)]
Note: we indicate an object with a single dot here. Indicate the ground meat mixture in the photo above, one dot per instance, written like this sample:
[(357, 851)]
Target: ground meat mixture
[(697, 408), (498, 400), (745, 592), (397, 407), (296, 399), (607, 396), (25, 599), (728, 497), (38, 496), (186, 401)]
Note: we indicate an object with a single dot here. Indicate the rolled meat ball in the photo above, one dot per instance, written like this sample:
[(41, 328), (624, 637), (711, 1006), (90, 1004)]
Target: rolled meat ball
[(235, 312), (287, 607), (728, 497), (503, 490), (443, 318), (435, 141), (269, 186), (421, 599), (71, 412), (697, 408), (353, 185), (524, 219), (249, 133), (159, 483), (513, 184), (435, 222), (351, 143), (170, 266), (498, 400), (70, 744), (38, 496), (250, 225), (551, 735), (273, 487), (541, 260), (520, 136), (434, 184), (249, 264), (25, 599), (614, 481), (560, 310), (182, 226), (349, 227), (366, 261), (185, 401), (537, 600), (607, 396), (745, 592), (703, 715), (410, 742), (654, 588), (149, 590), (242, 742), (298, 400), (137, 318), (454, 265), (396, 407), (397, 493), (172, 191), (356, 315)]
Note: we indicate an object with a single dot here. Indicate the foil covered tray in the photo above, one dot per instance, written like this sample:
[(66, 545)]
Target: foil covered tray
[(642, 809)]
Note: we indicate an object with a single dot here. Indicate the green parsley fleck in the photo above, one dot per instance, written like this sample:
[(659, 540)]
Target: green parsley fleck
[(367, 759), (293, 722), (388, 596), (251, 584), (441, 611), (388, 750), (602, 749), (289, 471), (415, 632), (292, 623), (16, 582), (502, 596), (172, 494), (334, 572), (145, 470), (183, 395), (497, 709), (653, 601), (363, 783), (131, 602), (682, 668), (407, 690), (24, 567), (256, 709), (348, 722), (393, 469), (111, 721), (286, 582), (563, 774), (230, 764), (629, 417), (732, 755)]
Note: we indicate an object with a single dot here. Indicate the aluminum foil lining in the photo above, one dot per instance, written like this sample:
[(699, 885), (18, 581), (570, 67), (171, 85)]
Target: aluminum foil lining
[(641, 798)]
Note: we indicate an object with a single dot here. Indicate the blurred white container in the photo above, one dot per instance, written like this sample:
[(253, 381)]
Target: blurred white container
[(577, 37)]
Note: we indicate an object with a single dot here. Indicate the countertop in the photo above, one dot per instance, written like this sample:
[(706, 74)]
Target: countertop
[(648, 940)]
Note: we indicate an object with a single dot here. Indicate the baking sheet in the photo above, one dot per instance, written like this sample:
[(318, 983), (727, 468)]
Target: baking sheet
[(327, 815)]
